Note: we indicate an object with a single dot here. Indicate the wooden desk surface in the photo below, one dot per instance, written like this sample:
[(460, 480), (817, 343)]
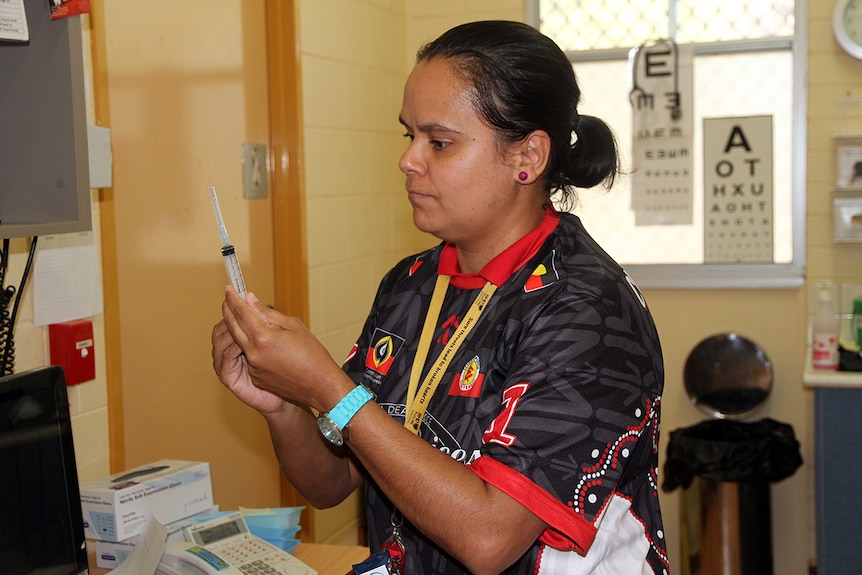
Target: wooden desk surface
[(325, 559), (331, 559)]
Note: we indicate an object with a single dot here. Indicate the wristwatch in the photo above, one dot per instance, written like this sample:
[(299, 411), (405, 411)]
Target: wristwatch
[(332, 423)]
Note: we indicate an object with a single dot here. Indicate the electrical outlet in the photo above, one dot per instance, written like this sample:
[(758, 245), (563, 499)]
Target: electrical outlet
[(255, 180)]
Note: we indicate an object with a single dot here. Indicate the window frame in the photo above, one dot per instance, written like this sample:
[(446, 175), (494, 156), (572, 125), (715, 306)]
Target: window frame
[(737, 276)]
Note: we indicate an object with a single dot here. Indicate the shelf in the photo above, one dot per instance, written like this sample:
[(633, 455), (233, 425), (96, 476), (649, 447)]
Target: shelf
[(854, 137), (815, 378)]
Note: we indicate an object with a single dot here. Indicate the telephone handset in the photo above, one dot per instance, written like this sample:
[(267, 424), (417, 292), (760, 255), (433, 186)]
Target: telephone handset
[(184, 558), (225, 546)]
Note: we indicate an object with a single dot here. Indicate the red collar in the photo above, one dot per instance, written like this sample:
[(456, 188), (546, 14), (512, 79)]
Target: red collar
[(501, 268)]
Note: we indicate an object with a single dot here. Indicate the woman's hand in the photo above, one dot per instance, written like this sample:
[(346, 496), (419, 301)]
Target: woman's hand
[(230, 365), (266, 357), (272, 363)]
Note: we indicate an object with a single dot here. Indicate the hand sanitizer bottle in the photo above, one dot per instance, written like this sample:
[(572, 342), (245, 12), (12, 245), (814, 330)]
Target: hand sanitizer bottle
[(824, 346)]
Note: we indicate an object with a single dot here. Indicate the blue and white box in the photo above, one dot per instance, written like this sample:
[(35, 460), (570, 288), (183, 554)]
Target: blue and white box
[(118, 507), (110, 554)]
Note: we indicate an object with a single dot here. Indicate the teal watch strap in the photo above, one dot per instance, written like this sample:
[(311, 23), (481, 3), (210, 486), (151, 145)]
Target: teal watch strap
[(345, 409)]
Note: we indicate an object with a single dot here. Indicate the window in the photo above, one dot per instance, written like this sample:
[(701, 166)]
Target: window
[(748, 61)]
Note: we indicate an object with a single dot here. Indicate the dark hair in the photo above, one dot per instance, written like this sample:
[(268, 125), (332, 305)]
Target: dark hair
[(524, 82)]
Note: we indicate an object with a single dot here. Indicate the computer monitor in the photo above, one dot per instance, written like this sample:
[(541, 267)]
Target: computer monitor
[(41, 525)]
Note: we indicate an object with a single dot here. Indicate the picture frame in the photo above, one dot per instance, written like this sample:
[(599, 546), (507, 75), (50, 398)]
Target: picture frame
[(849, 165)]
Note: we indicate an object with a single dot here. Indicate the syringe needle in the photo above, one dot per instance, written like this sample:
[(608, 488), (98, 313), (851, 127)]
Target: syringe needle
[(221, 228), (228, 252)]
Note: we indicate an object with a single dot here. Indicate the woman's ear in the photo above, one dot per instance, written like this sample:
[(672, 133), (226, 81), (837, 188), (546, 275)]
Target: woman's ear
[(532, 156)]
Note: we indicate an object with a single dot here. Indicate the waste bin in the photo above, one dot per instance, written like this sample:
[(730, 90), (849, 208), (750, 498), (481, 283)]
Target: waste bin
[(725, 468)]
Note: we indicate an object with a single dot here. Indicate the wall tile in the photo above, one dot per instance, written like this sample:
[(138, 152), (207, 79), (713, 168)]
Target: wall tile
[(328, 221), (328, 28), (315, 304), (381, 151), (497, 7), (342, 288), (385, 37), (395, 6), (340, 341), (422, 8), (90, 433), (322, 91), (330, 525), (370, 227), (335, 161), (821, 169)]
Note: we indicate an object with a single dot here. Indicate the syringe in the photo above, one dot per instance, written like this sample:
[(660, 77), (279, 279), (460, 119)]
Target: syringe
[(231, 263)]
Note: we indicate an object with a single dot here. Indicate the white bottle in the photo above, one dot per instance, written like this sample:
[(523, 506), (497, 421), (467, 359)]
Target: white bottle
[(824, 345)]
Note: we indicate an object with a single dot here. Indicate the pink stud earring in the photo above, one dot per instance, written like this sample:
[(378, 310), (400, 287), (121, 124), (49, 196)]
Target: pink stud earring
[(523, 176)]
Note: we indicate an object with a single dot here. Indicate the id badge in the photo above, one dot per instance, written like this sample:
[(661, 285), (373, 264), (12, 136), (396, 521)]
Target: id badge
[(373, 565), (394, 547), (391, 554)]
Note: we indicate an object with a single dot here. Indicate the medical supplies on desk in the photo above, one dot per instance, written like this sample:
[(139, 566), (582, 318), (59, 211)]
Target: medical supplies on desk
[(118, 507), (109, 554)]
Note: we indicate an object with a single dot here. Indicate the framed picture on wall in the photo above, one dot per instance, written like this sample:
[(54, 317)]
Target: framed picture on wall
[(849, 154)]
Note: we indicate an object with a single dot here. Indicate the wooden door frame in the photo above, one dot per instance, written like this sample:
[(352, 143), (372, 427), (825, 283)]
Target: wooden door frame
[(288, 185), (108, 235)]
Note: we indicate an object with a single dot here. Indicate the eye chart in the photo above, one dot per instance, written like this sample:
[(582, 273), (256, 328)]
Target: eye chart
[(738, 190), (663, 126)]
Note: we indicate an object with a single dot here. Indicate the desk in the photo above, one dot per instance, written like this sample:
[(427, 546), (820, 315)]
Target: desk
[(326, 559), (331, 559)]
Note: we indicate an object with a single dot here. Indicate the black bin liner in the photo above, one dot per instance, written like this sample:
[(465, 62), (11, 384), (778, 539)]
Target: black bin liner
[(729, 450)]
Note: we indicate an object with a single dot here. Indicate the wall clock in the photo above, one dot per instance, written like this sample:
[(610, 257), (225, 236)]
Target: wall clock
[(847, 26)]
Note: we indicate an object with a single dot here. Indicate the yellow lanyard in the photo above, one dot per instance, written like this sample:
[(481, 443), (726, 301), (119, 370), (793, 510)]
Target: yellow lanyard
[(417, 399)]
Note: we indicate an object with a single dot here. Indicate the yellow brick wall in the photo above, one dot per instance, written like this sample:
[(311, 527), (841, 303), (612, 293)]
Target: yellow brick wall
[(358, 219), (833, 78)]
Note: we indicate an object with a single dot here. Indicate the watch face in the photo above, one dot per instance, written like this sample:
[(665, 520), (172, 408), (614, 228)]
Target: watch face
[(329, 430)]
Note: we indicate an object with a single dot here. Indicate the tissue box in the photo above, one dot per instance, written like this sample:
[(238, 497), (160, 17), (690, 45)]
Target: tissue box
[(118, 507), (109, 554)]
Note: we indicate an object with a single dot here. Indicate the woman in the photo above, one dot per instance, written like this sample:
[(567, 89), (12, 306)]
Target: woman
[(501, 405)]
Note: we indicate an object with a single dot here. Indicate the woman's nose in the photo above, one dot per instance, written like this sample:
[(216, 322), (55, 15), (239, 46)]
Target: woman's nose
[(409, 161)]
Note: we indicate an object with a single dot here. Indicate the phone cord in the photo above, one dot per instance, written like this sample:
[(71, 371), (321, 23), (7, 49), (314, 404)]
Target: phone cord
[(7, 319), (7, 339)]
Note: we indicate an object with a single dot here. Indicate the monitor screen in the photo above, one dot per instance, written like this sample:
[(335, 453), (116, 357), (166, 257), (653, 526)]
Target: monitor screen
[(41, 526)]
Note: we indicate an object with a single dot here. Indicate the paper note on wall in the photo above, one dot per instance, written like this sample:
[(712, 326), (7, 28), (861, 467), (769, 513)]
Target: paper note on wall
[(67, 280), (13, 21)]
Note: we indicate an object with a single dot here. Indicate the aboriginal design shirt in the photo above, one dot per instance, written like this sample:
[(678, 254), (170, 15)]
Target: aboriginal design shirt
[(554, 397)]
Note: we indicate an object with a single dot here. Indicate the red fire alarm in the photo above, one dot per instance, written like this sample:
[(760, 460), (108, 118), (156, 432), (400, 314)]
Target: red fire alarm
[(72, 349)]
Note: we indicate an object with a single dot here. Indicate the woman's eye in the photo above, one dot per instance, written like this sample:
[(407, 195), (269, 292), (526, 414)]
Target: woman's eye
[(439, 145), (409, 136)]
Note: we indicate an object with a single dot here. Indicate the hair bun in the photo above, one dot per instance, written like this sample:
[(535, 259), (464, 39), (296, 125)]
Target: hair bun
[(593, 155)]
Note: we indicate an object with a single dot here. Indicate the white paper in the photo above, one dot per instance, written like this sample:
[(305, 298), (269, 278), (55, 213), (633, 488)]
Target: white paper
[(144, 558), (663, 137), (67, 279), (13, 21), (738, 205)]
